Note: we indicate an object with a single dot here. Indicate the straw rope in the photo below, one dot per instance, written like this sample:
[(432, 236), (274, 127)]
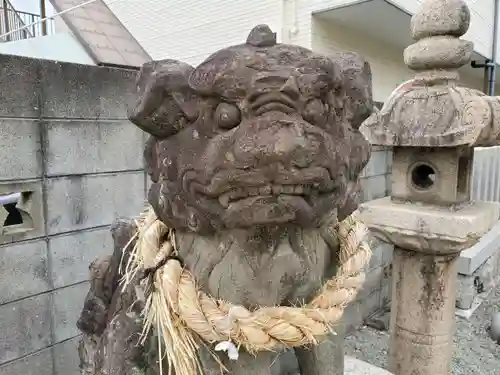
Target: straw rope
[(180, 312)]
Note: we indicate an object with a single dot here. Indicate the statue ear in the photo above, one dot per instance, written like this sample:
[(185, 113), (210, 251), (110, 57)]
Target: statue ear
[(151, 159), (164, 103), (357, 82)]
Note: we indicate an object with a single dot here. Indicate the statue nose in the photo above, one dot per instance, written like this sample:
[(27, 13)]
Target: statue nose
[(284, 143), (280, 81), (291, 88)]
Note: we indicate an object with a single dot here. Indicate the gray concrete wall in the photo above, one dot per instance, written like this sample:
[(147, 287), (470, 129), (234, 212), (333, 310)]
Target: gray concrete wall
[(65, 138), (376, 291)]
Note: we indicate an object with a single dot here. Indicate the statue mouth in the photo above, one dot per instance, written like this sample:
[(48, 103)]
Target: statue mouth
[(263, 196), (266, 195), (266, 191), (233, 184)]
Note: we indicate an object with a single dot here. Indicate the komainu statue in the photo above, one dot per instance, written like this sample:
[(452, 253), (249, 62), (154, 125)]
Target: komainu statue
[(250, 244)]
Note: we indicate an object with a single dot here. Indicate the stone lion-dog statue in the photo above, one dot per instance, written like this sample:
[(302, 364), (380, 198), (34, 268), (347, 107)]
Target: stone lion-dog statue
[(254, 155)]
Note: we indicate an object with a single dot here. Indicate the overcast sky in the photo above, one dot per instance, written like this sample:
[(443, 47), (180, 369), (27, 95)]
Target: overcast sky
[(32, 6)]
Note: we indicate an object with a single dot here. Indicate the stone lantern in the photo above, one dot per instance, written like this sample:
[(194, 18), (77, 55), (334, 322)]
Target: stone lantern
[(432, 125)]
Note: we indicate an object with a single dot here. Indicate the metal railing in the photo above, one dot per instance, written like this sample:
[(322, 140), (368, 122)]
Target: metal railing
[(486, 174), (12, 19)]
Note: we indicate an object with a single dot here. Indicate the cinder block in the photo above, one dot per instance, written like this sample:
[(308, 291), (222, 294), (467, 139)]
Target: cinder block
[(389, 160), (66, 361), (382, 252), (78, 147), (386, 290), (388, 253), (34, 225), (370, 304), (373, 187), (353, 316), (23, 270), (89, 92), (83, 202), (388, 179), (68, 304), (373, 282), (24, 327), (19, 89), (71, 255), (39, 363), (484, 279), (377, 164), (377, 254), (20, 148)]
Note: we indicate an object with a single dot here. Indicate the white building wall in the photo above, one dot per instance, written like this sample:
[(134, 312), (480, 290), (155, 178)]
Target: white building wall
[(191, 30), (386, 62), (388, 69)]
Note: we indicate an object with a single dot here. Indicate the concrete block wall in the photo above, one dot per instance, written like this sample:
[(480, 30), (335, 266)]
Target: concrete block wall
[(64, 138), (376, 291)]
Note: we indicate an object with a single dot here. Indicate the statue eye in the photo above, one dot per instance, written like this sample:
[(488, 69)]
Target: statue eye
[(315, 112), (227, 116)]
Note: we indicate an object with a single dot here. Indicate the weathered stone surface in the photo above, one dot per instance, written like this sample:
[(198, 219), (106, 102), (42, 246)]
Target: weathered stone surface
[(254, 111), (433, 123), (432, 109), (429, 228), (422, 313), (251, 154), (444, 17), (110, 320)]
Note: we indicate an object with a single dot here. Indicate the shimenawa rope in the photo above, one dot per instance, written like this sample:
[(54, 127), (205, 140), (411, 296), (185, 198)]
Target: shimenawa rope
[(180, 312)]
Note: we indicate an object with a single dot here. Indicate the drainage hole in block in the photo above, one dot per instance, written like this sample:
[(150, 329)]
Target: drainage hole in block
[(423, 176), (9, 202), (14, 217)]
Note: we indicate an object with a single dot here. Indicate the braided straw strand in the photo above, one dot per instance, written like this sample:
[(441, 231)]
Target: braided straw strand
[(182, 314)]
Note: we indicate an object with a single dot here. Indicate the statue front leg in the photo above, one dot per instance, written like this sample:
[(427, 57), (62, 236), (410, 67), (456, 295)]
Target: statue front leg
[(327, 358)]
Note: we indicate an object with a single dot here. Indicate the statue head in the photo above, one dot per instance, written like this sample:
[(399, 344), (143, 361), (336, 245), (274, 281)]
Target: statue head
[(259, 134)]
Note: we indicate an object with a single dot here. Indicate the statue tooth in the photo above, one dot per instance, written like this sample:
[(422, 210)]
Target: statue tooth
[(277, 189), (241, 193), (288, 189), (253, 191), (265, 190), (298, 189), (234, 194), (224, 200)]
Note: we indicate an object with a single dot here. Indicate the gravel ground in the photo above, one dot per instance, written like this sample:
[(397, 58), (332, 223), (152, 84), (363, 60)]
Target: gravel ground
[(474, 352)]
